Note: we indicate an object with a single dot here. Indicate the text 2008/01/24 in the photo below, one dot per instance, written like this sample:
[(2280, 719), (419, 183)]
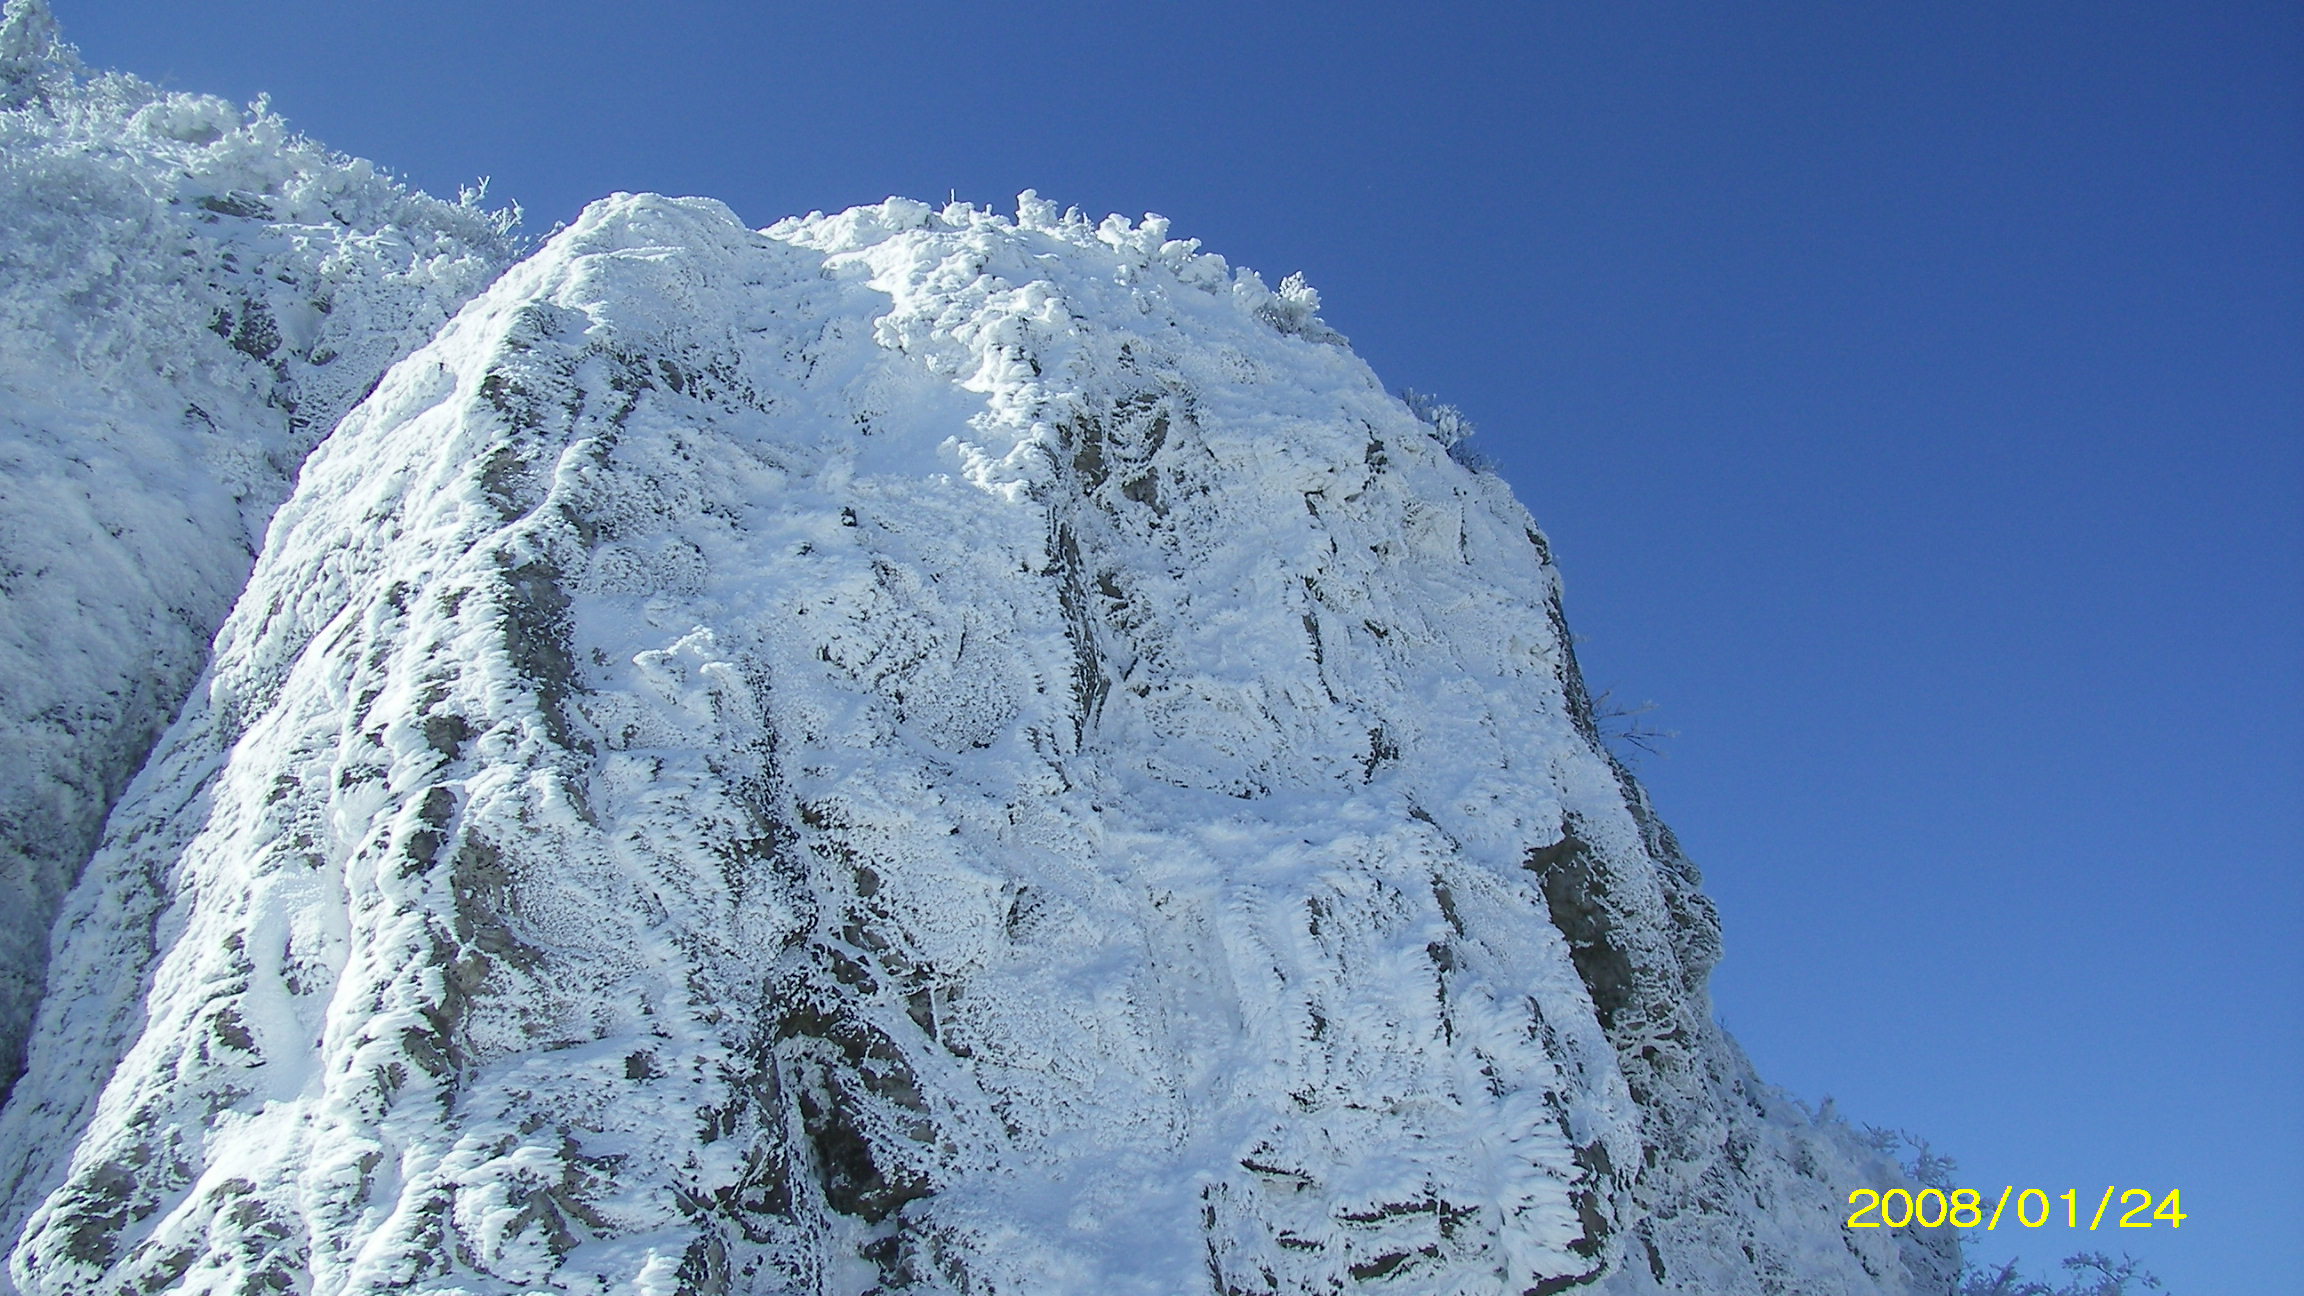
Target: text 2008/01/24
[(2034, 1208)]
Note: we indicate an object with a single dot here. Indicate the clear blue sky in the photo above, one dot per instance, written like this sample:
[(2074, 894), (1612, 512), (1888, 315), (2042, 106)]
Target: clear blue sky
[(1914, 394)]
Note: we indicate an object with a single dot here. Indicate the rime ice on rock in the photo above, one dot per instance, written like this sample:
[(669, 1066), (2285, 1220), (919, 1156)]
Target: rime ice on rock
[(908, 749), (190, 297)]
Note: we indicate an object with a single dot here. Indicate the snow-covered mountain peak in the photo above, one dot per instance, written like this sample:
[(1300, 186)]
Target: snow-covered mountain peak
[(906, 749), (911, 749)]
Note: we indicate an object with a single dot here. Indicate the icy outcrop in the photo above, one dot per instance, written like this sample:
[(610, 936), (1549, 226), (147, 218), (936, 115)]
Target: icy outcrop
[(905, 750), (190, 298)]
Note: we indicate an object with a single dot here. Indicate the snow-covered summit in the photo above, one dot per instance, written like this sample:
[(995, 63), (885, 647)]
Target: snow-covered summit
[(190, 297), (912, 749)]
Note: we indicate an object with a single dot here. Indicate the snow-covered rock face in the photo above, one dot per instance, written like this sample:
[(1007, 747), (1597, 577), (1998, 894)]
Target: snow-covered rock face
[(903, 750), (189, 299)]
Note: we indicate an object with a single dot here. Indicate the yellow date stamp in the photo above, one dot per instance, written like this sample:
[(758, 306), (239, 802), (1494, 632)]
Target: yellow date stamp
[(1963, 1208)]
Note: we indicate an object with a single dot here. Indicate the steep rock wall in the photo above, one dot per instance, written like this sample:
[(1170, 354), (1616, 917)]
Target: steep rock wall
[(903, 750), (190, 297)]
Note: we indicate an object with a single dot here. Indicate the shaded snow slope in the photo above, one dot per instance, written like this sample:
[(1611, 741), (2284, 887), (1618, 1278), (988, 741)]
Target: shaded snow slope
[(909, 750), (189, 298)]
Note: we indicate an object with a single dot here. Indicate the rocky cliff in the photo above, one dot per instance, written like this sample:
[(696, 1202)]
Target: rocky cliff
[(190, 297), (907, 750)]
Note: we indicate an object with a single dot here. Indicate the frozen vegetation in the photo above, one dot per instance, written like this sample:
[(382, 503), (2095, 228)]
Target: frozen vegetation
[(915, 749)]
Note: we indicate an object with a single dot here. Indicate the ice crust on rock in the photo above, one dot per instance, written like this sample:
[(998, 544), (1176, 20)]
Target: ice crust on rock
[(190, 297), (909, 749)]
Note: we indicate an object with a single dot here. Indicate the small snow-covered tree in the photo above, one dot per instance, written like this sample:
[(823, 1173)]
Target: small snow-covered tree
[(1449, 426)]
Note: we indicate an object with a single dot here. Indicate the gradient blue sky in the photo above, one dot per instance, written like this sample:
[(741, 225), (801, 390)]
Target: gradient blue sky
[(1914, 394)]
